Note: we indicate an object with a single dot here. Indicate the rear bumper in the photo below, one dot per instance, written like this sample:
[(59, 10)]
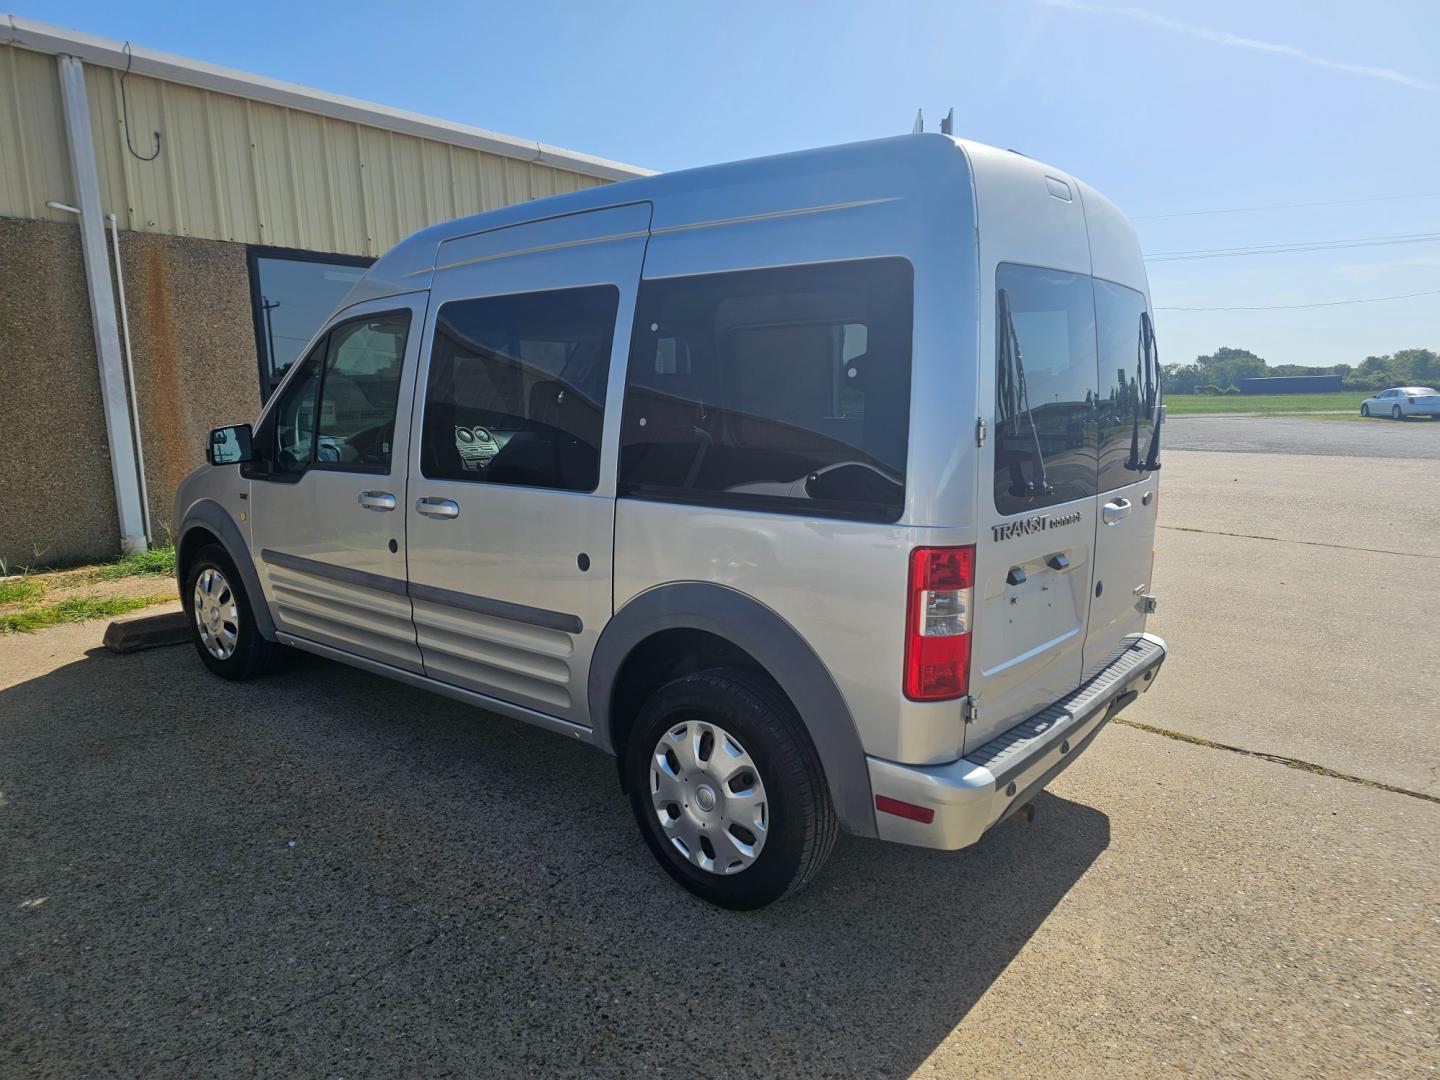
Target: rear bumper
[(970, 795)]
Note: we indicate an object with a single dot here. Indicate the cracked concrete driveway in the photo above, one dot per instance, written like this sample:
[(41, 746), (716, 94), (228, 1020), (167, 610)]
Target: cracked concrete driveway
[(326, 874)]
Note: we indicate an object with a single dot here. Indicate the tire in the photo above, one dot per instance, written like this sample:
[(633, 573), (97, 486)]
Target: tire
[(1364, 410), (1395, 412), (224, 630), (788, 793)]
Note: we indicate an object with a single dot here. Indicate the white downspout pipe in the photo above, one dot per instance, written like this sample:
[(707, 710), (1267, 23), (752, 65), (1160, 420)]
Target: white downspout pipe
[(130, 375), (119, 432)]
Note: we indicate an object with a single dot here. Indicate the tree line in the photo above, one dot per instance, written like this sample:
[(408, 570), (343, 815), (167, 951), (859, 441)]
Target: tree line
[(1223, 369)]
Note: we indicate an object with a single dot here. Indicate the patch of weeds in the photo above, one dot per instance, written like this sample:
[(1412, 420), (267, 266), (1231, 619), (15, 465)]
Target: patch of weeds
[(160, 560), (78, 609), (20, 591)]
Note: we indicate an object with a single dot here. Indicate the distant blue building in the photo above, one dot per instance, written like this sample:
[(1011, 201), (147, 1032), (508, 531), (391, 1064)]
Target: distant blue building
[(1293, 384)]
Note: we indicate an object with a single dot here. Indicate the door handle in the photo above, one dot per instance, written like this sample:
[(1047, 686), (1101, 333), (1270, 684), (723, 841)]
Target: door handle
[(1114, 511), (438, 508), (377, 500)]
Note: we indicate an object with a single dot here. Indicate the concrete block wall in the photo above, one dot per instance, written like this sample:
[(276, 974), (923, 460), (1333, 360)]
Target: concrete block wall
[(194, 353)]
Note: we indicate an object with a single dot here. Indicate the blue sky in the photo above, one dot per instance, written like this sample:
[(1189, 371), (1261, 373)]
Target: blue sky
[(1167, 107)]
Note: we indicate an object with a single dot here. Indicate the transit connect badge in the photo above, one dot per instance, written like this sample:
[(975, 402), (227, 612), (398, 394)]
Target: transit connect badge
[(1038, 523)]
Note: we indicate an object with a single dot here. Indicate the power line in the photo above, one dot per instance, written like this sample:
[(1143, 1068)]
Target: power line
[(1296, 307), (1292, 248), (1285, 206), (1295, 243)]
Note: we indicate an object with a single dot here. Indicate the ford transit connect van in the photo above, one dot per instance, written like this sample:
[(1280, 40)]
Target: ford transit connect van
[(819, 490)]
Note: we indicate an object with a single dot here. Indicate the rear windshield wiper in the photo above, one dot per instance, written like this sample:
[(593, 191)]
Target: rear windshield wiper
[(1014, 397), (1147, 398), (1156, 398)]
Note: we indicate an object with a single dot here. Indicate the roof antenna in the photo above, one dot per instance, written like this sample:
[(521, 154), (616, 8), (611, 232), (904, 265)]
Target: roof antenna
[(919, 122), (947, 125)]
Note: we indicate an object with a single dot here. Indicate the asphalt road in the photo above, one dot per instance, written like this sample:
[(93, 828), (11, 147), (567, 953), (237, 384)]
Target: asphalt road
[(323, 873), (1376, 438)]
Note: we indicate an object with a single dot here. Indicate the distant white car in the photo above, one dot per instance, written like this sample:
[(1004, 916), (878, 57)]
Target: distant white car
[(1403, 401)]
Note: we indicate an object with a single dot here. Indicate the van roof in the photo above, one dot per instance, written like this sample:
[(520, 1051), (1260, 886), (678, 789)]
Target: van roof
[(778, 184)]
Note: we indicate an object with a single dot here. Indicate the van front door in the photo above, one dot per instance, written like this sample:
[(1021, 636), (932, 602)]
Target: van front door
[(327, 523), (511, 503)]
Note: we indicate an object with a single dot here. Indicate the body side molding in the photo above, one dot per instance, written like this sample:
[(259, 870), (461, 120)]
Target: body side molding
[(349, 576)]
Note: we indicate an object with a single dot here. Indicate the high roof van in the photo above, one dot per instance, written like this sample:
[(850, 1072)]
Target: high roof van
[(819, 490)]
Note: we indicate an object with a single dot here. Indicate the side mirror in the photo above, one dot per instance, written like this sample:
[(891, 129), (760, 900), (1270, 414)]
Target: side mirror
[(229, 445)]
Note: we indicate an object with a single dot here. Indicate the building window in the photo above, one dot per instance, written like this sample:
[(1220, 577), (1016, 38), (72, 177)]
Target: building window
[(293, 293)]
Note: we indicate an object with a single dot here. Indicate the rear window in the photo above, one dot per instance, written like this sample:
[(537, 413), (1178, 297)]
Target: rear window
[(784, 390), (1045, 388), (1125, 408)]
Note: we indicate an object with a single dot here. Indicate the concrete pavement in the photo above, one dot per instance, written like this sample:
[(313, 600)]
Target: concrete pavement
[(325, 873), (1375, 438), (1300, 597)]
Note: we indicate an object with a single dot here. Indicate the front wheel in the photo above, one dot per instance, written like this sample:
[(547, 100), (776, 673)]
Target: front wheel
[(1395, 412), (728, 790), (222, 623), (1364, 410)]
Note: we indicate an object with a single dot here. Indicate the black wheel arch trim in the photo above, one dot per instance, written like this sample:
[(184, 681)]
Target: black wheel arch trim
[(209, 515), (774, 643)]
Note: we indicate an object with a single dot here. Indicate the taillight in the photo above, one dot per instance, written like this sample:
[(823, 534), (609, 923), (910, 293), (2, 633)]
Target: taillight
[(937, 623)]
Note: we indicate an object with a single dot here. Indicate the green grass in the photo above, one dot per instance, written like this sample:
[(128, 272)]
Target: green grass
[(75, 610), (1264, 404), (20, 591), (160, 560)]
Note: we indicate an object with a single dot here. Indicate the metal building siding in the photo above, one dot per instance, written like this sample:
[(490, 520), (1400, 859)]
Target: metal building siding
[(234, 169), (34, 164)]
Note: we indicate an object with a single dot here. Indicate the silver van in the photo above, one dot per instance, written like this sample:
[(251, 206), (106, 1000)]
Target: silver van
[(819, 490)]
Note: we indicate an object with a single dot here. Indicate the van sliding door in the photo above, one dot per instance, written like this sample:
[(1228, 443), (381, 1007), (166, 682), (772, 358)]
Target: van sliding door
[(511, 505)]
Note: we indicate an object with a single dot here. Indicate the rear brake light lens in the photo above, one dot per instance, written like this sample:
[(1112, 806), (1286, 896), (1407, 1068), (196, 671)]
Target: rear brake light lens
[(938, 623)]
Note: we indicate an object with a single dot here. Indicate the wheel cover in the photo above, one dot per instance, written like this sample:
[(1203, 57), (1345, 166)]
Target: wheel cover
[(217, 614), (708, 797)]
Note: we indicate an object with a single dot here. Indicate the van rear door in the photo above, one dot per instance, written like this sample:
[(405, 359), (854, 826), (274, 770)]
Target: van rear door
[(1126, 506), (1036, 503)]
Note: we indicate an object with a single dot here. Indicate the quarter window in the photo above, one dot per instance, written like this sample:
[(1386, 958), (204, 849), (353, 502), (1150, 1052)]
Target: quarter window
[(1045, 445), (784, 389), (516, 391)]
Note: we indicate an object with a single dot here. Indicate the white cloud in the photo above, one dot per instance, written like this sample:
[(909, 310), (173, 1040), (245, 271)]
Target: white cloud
[(1235, 41)]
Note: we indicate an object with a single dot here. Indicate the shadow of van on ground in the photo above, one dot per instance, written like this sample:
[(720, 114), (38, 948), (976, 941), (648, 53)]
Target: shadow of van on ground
[(323, 872)]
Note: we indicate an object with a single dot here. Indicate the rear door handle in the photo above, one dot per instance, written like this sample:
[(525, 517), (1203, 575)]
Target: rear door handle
[(377, 500), (438, 508), (1114, 511)]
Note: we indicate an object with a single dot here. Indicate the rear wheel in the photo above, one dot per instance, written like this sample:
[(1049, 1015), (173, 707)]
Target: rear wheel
[(728, 790), (1364, 410), (1395, 412), (222, 622)]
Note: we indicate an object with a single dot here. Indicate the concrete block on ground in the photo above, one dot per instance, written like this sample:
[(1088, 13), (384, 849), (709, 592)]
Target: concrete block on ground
[(147, 632)]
